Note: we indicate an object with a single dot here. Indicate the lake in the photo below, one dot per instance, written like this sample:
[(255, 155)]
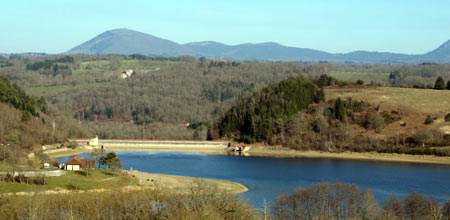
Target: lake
[(267, 177)]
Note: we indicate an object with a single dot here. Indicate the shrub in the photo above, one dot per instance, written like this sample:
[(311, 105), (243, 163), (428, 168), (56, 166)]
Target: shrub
[(428, 120), (373, 121), (40, 180), (72, 145), (447, 117)]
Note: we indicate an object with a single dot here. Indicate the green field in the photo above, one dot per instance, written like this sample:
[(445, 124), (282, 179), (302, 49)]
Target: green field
[(98, 64), (143, 64), (44, 90), (92, 67), (78, 180), (47, 90), (353, 76), (7, 167)]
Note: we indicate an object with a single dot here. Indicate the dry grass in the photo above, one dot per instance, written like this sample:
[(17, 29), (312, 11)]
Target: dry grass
[(419, 100), (413, 104), (183, 183)]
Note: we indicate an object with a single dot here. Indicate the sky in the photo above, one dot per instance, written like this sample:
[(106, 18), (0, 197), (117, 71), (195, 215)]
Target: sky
[(337, 26)]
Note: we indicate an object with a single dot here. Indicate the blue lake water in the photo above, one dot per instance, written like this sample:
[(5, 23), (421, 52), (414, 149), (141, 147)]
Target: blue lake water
[(267, 178)]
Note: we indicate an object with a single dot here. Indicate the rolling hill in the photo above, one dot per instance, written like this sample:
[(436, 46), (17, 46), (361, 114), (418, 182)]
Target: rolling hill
[(126, 41), (261, 51)]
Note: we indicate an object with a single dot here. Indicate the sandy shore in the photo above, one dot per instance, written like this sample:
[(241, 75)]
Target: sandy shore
[(64, 152), (370, 156), (268, 151), (186, 184)]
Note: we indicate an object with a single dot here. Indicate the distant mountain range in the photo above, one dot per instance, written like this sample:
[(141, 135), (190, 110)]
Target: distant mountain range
[(125, 41)]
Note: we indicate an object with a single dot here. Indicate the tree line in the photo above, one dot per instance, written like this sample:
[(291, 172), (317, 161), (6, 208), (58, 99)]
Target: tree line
[(347, 201)]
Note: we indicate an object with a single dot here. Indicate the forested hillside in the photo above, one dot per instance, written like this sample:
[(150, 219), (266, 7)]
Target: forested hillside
[(26, 123), (14, 95), (164, 93), (263, 114), (293, 113)]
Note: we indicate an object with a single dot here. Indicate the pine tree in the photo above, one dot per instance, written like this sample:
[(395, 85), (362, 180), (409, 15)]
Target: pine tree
[(448, 85), (339, 110), (440, 84)]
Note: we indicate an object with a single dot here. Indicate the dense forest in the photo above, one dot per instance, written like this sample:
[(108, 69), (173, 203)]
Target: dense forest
[(258, 117)]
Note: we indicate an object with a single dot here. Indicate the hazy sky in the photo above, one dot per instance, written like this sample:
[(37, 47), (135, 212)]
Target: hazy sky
[(404, 26)]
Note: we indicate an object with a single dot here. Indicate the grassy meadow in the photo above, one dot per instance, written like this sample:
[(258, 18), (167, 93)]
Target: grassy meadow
[(78, 180), (420, 100)]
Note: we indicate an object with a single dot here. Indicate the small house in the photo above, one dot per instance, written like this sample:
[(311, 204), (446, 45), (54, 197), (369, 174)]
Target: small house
[(76, 163), (127, 73), (93, 141)]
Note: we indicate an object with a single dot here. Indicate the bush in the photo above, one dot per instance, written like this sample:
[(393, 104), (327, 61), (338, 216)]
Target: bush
[(447, 117), (359, 82), (428, 120), (40, 180), (72, 145), (373, 121)]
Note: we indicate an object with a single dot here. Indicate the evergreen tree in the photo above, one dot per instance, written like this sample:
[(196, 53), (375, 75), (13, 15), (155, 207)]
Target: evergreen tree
[(263, 114), (448, 85), (320, 96), (339, 110), (440, 83), (42, 104)]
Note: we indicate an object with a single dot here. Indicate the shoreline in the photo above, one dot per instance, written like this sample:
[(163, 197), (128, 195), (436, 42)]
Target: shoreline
[(364, 156), (267, 151), (153, 181), (185, 183)]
